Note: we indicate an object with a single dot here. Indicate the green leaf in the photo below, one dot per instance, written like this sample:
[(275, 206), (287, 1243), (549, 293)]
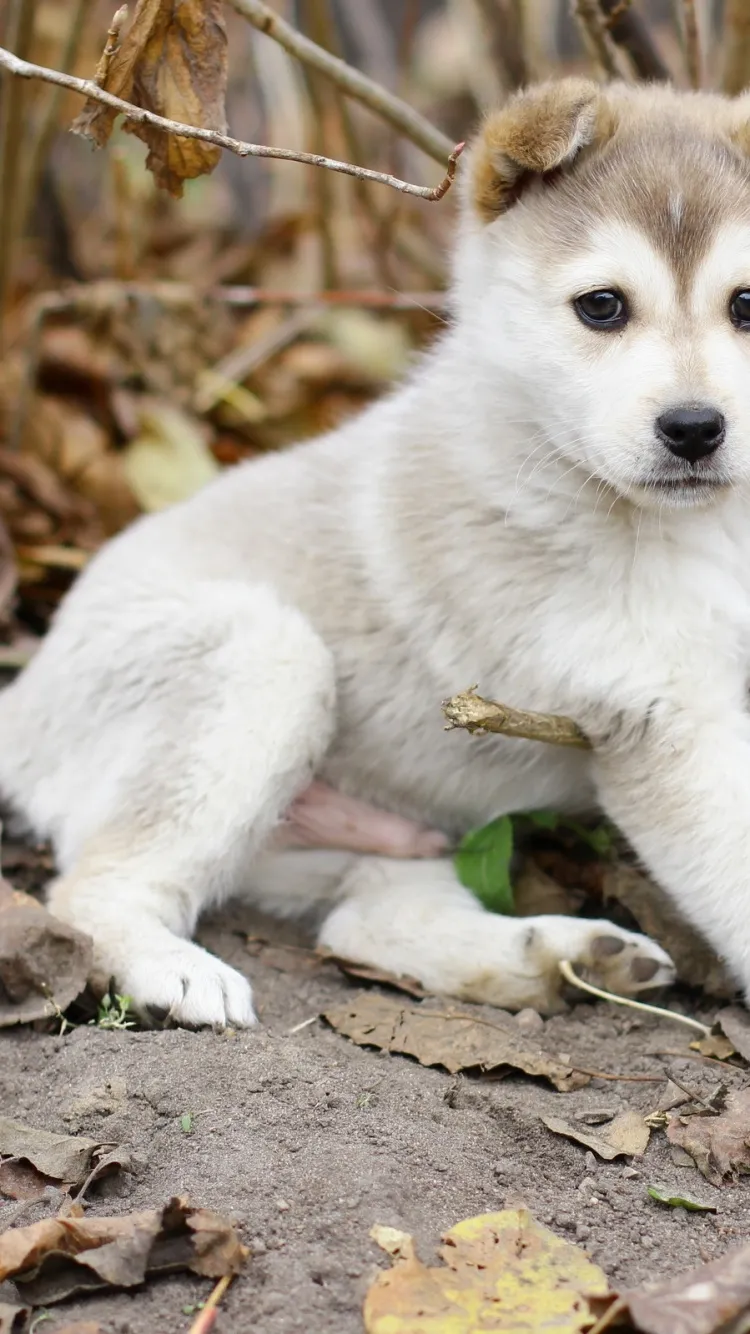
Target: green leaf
[(543, 819), (678, 1201), (482, 864), (186, 1123)]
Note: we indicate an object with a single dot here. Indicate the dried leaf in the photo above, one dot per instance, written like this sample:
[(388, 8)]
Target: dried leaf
[(12, 1318), (705, 1300), (501, 1272), (715, 1045), (20, 1181), (453, 1039), (626, 1136), (169, 460), (736, 1025), (63, 1157), (57, 1257), (719, 1145), (663, 1196), (362, 971), (172, 61), (44, 963)]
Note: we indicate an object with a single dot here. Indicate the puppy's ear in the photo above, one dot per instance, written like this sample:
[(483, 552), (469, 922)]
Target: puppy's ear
[(535, 132)]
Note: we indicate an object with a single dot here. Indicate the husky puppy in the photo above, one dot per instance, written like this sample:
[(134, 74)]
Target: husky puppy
[(556, 504)]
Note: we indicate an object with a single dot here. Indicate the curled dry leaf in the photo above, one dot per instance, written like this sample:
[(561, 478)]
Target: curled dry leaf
[(735, 1024), (626, 1135), (172, 61), (501, 1272), (719, 1145), (57, 1257), (38, 1158), (711, 1299), (453, 1039), (44, 963)]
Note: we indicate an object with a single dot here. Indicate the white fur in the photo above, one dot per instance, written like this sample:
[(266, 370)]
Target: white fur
[(494, 520)]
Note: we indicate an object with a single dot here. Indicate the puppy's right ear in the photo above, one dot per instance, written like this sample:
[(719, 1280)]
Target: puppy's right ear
[(535, 132)]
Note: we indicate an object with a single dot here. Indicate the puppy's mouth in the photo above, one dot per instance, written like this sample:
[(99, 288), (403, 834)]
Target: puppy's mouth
[(690, 482)]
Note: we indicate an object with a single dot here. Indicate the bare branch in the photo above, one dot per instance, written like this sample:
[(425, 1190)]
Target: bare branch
[(736, 44), (469, 710), (631, 32), (351, 81), (23, 69), (596, 38)]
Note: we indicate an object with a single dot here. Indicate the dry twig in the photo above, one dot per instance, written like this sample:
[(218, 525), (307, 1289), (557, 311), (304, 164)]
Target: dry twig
[(23, 69), (351, 81), (469, 710), (632, 33), (596, 38)]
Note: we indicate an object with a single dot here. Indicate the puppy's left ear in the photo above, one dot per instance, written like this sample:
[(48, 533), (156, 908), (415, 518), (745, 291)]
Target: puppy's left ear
[(535, 132)]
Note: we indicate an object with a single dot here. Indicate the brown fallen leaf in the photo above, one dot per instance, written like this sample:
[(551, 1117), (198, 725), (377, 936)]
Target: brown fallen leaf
[(719, 1145), (502, 1272), (13, 1318), (715, 1045), (65, 1158), (711, 1299), (735, 1024), (398, 982), (172, 61), (44, 962), (453, 1039), (625, 1136), (60, 1256), (657, 917), (20, 1181)]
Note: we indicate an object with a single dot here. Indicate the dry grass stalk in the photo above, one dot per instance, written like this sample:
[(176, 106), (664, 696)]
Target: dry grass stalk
[(736, 47), (691, 39), (24, 69), (351, 81), (19, 26), (597, 38), (630, 31)]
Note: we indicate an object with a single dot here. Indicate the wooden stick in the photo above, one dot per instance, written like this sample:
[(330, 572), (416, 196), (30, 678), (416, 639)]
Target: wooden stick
[(469, 710)]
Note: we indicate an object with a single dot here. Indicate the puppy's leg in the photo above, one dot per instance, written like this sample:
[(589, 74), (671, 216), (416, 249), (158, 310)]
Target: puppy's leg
[(415, 918), (680, 792), (223, 727)]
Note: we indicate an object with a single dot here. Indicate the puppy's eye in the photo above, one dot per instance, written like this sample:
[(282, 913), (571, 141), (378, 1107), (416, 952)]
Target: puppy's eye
[(739, 310), (604, 309)]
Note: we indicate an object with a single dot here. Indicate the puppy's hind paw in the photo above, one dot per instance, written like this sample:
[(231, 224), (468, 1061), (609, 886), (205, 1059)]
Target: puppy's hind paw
[(184, 984)]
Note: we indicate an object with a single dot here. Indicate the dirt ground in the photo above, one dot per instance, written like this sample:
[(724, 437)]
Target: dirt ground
[(307, 1140)]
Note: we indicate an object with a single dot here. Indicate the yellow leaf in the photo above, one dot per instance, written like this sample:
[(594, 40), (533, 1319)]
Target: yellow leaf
[(502, 1272), (169, 460)]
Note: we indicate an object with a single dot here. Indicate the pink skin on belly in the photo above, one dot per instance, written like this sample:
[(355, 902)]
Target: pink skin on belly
[(321, 817)]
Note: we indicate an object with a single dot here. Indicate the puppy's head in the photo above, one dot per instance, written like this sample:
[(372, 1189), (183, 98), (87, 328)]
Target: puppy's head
[(603, 276)]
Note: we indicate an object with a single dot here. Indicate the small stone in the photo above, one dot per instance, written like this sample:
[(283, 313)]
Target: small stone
[(502, 1167), (591, 1161), (647, 1243), (258, 1246), (529, 1021), (587, 1186), (282, 1206), (564, 1056), (629, 1173), (680, 1214), (583, 1231)]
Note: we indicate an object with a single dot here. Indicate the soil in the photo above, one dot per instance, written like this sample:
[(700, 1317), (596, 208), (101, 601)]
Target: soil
[(307, 1140)]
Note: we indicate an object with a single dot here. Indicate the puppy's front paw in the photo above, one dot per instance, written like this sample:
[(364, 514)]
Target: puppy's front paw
[(614, 959), (184, 984)]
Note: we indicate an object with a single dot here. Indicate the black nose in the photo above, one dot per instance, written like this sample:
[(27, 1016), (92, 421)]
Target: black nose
[(691, 433)]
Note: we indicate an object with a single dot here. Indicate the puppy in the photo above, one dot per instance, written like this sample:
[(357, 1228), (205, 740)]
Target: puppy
[(556, 504)]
